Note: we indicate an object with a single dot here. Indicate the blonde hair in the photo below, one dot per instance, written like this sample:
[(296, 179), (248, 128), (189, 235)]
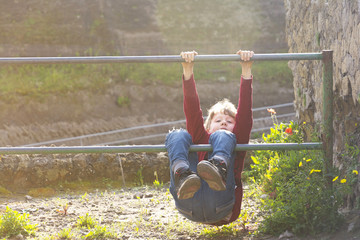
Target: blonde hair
[(224, 106)]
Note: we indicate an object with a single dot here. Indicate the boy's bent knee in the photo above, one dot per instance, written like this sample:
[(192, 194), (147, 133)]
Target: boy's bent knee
[(221, 132), (179, 133)]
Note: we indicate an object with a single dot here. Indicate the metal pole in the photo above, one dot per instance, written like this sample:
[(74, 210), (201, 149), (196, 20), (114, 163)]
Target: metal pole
[(163, 58), (327, 114), (154, 148)]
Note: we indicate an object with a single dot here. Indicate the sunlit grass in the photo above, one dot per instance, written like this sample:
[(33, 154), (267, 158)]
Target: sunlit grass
[(42, 80)]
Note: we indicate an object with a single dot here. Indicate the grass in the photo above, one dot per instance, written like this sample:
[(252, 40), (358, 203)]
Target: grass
[(39, 81), (4, 191)]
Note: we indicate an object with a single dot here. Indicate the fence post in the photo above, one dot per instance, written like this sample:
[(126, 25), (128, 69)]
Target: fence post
[(327, 114)]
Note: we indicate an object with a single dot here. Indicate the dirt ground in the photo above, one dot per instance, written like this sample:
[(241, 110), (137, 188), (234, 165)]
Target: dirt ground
[(136, 213), (146, 212)]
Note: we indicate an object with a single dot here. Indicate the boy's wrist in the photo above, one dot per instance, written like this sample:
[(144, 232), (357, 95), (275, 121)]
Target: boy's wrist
[(188, 72), (246, 74), (246, 77)]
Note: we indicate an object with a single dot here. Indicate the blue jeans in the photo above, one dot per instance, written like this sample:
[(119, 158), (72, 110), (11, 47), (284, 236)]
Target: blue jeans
[(207, 205)]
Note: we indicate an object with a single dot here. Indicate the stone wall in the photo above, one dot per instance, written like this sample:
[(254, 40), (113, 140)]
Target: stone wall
[(19, 172), (315, 25)]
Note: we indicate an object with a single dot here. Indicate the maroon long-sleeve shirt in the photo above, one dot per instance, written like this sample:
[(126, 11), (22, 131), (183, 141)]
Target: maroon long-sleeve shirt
[(242, 129)]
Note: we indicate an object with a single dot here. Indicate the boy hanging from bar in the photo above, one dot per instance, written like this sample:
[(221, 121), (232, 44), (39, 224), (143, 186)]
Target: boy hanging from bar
[(206, 186)]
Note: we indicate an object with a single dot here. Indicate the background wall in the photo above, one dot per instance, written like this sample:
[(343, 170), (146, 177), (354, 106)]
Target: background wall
[(312, 26)]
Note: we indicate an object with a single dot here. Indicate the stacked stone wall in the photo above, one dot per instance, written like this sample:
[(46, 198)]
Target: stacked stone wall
[(315, 25)]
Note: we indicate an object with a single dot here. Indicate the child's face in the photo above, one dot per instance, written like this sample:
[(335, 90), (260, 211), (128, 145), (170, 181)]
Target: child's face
[(221, 121)]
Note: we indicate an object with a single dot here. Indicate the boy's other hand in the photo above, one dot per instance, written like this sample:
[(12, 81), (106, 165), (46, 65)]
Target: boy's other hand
[(188, 56), (188, 65), (246, 63), (245, 55)]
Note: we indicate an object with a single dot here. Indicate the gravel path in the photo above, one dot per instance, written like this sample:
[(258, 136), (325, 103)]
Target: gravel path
[(136, 213)]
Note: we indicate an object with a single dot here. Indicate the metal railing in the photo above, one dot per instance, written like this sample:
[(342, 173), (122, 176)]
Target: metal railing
[(327, 114), (158, 59), (81, 139)]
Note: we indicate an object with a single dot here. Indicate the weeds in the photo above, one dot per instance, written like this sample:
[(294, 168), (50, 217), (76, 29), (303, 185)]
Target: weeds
[(86, 221), (229, 230), (100, 232), (84, 197), (13, 223), (4, 191), (293, 187), (140, 176), (123, 101), (65, 234), (156, 182)]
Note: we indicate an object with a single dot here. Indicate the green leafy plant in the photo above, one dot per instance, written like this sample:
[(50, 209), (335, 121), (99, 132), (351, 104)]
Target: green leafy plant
[(65, 234), (156, 182), (4, 191), (13, 223), (100, 232), (220, 232), (293, 188), (123, 101), (86, 221), (84, 197), (140, 176), (346, 179)]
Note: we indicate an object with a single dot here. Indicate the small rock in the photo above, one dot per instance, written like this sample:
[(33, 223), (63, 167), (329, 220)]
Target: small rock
[(286, 235), (28, 198), (149, 195), (19, 237)]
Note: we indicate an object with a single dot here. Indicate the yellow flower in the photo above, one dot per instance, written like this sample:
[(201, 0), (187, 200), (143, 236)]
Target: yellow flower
[(314, 170), (343, 180), (335, 178), (308, 160), (355, 172), (304, 122), (300, 164)]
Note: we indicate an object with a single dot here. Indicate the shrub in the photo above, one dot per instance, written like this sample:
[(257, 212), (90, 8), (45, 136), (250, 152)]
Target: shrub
[(13, 223), (294, 191)]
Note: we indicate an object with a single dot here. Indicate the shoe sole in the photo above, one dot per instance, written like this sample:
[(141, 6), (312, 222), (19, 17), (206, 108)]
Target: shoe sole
[(189, 187), (211, 176)]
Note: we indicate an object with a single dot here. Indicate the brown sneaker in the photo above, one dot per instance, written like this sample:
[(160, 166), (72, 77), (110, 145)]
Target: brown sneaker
[(213, 172), (187, 183)]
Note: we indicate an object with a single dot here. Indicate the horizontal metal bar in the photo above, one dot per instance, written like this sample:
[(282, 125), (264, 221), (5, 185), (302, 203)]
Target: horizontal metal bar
[(161, 58), (153, 148), (274, 106), (146, 126)]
